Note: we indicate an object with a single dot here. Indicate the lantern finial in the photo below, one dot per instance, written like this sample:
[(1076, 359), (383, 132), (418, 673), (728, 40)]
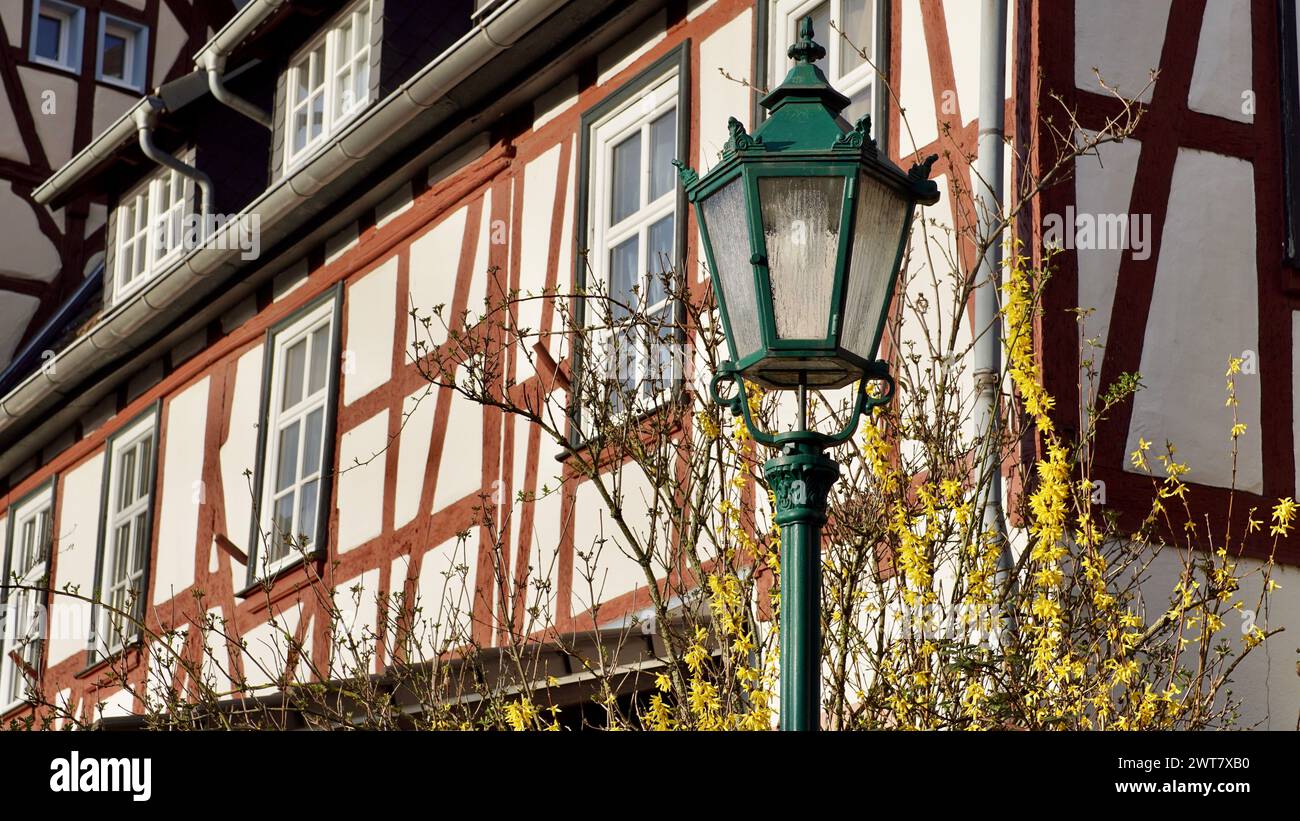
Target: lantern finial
[(806, 50)]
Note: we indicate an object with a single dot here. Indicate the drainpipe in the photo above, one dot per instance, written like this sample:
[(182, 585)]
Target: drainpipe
[(145, 120), (988, 276), (215, 64)]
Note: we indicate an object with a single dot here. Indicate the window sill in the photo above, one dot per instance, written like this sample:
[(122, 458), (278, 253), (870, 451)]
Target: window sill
[(122, 85), (266, 584), (130, 654), (45, 62)]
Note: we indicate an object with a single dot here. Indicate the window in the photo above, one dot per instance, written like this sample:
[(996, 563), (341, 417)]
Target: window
[(150, 229), (56, 34), (633, 227), (27, 558), (328, 82), (123, 52), (298, 414), (848, 72), (126, 536)]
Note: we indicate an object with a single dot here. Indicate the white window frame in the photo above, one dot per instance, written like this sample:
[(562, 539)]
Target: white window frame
[(139, 438), (160, 236), (30, 537), (73, 20), (785, 18), (657, 98), (336, 108), (319, 318), (136, 59)]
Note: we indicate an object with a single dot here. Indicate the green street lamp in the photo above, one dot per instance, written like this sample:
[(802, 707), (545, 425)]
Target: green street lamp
[(804, 225)]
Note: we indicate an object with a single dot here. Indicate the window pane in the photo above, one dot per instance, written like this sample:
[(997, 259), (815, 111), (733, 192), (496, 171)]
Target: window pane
[(143, 464), (857, 26), (626, 179), (317, 117), (125, 479), (659, 259), (623, 277), (663, 148), (320, 347), (317, 67), (114, 59), (286, 471), (300, 89), (312, 441), (821, 19), (860, 104), (49, 33), (121, 551), (281, 538), (140, 545), (307, 512), (295, 362), (361, 33), (299, 130)]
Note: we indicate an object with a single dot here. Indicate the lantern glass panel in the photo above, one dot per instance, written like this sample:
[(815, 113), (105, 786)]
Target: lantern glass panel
[(728, 227), (801, 226), (877, 232)]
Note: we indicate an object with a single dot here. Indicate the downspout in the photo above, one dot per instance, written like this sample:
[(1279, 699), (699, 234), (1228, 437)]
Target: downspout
[(145, 120), (988, 276), (214, 63)]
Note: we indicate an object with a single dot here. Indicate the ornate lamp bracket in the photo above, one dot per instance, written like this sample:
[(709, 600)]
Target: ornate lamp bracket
[(737, 401)]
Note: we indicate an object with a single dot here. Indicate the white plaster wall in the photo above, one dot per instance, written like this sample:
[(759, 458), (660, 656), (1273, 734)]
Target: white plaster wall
[(182, 491), (215, 667), (446, 596), (544, 551), (372, 324), (28, 253), (555, 101), (266, 646), (730, 48), (170, 38), (460, 470), (541, 176), (1221, 75), (413, 452), (77, 539), (16, 311), (475, 303), (434, 258), (363, 453), (609, 568), (1265, 683), (1121, 38), (353, 640), (1203, 311), (53, 122), (1103, 185), (239, 453), (631, 46), (11, 15), (109, 105), (11, 141), (915, 91), (962, 21)]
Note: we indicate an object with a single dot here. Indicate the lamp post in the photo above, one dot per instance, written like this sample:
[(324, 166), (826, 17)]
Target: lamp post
[(804, 226)]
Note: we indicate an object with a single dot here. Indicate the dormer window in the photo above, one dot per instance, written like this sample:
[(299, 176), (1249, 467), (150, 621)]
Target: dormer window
[(328, 82), (149, 230)]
